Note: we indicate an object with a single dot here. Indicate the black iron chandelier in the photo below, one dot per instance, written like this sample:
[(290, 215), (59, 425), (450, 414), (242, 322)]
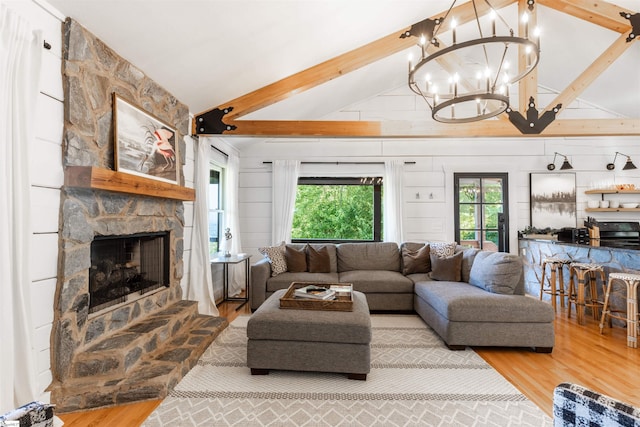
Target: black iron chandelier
[(469, 79)]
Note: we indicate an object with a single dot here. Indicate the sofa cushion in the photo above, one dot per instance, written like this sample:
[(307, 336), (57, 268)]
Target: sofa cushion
[(461, 302), (318, 259), (468, 256), (331, 248), (368, 256), (296, 259), (497, 272), (275, 255), (417, 261), (443, 249), (447, 269), (377, 281), (283, 280)]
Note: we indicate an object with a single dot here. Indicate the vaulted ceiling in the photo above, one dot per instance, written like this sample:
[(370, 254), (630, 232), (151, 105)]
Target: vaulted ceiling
[(284, 65)]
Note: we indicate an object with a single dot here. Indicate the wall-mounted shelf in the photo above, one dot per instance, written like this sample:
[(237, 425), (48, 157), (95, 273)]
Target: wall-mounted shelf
[(612, 191), (612, 210), (604, 191), (109, 180)]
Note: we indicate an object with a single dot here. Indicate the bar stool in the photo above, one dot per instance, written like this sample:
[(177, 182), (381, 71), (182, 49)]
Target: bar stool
[(584, 272), (631, 281), (556, 269)]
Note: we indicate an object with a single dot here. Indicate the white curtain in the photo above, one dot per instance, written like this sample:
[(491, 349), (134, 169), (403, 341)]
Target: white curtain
[(232, 221), (20, 59), (200, 286), (284, 184), (393, 200)]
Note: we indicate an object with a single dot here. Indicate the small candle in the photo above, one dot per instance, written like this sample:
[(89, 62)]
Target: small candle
[(453, 29), (525, 19), (492, 15)]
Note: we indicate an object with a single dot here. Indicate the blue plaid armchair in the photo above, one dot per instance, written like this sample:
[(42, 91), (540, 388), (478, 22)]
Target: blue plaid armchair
[(574, 405)]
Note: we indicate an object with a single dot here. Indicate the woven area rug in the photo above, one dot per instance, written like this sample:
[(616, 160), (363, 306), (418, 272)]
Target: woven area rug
[(414, 380)]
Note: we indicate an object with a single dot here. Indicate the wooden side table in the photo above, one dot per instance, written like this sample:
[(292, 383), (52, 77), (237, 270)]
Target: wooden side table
[(226, 261)]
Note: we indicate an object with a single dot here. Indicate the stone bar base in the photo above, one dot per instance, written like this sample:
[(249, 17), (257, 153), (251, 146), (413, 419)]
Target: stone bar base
[(614, 260)]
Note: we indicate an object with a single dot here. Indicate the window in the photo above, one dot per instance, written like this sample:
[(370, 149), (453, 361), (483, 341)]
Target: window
[(338, 210), (216, 212), (481, 211)]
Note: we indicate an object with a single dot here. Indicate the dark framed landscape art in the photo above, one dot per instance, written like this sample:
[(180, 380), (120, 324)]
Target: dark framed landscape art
[(553, 200), (143, 144)]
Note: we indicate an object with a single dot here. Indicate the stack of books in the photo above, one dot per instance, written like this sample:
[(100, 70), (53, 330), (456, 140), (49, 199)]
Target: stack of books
[(315, 292)]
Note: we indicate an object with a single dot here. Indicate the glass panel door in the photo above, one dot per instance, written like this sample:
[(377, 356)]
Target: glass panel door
[(481, 211)]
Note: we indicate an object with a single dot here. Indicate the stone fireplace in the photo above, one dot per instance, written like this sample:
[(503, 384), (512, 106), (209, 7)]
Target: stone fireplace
[(121, 331)]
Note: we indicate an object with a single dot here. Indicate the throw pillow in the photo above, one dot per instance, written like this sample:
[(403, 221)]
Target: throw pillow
[(442, 249), (318, 260), (296, 259), (496, 272), (416, 261), (467, 262), (446, 269), (275, 255)]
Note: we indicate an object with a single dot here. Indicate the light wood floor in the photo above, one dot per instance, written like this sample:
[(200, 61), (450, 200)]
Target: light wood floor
[(581, 355)]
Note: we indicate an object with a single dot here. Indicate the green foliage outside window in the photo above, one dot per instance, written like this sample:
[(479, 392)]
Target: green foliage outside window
[(342, 212), (478, 208)]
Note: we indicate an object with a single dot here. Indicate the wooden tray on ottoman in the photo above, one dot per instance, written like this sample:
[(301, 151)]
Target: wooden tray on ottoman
[(340, 303)]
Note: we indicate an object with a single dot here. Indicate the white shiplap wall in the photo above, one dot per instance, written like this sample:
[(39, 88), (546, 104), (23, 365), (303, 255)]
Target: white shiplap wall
[(46, 179)]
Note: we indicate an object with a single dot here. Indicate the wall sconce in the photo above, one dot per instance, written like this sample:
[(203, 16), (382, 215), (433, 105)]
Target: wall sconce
[(565, 165), (629, 165)]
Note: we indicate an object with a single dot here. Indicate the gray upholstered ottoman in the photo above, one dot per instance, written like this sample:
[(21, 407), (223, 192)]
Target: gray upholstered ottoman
[(310, 340)]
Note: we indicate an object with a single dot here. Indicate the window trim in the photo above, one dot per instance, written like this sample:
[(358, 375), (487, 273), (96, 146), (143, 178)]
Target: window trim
[(376, 182)]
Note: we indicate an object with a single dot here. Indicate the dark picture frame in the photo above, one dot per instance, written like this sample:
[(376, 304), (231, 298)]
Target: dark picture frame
[(553, 200), (144, 145)]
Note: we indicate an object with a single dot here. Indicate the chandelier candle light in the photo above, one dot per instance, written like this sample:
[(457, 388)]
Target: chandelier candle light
[(469, 80)]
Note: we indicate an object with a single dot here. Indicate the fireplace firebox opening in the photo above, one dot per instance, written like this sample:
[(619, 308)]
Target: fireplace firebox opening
[(122, 266)]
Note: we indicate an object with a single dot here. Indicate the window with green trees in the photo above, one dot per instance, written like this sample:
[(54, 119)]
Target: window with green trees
[(338, 210)]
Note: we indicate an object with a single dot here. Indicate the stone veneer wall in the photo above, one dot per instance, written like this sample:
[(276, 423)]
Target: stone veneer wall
[(91, 73), (612, 259)]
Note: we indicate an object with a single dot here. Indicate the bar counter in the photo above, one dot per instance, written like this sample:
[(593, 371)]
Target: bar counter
[(614, 259)]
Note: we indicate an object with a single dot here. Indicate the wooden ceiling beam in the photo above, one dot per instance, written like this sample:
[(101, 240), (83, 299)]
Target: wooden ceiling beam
[(340, 65), (588, 76), (601, 13), (303, 128), (429, 129)]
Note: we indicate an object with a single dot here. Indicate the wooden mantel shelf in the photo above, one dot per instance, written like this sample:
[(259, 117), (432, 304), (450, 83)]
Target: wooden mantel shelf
[(109, 180)]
